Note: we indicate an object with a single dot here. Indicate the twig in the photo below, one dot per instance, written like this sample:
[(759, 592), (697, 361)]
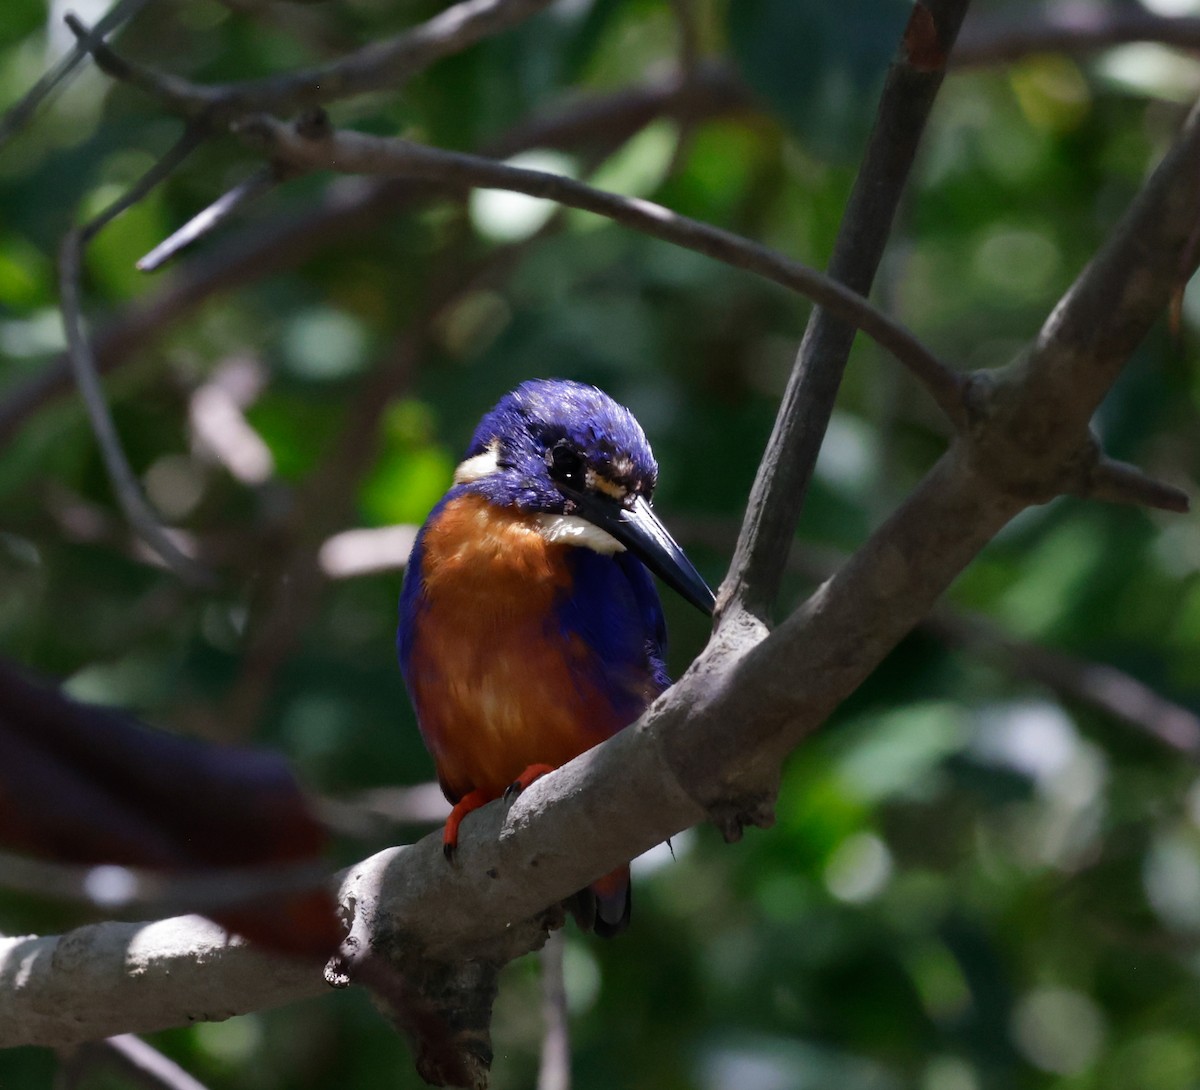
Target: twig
[(19, 115), (288, 240), (1074, 30), (1119, 482), (786, 469), (689, 65), (607, 119), (132, 1057), (383, 64), (259, 183), (350, 152), (554, 1071), (83, 365), (354, 152), (193, 136), (1097, 685)]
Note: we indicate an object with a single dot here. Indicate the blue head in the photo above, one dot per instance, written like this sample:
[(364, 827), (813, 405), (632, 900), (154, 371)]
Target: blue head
[(560, 448), (551, 437)]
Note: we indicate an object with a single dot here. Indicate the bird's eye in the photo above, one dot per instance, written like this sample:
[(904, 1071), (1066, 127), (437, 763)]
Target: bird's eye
[(566, 464)]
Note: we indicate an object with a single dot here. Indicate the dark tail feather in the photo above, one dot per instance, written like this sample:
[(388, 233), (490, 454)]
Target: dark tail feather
[(613, 902)]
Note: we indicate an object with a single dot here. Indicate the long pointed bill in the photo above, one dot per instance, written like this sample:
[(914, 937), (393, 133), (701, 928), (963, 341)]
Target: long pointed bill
[(638, 528)]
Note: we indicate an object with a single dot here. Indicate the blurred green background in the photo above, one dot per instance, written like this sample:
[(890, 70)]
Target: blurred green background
[(976, 881)]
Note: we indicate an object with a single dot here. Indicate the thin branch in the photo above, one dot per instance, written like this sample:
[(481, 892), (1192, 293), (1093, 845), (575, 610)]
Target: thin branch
[(1109, 690), (1072, 29), (344, 211), (83, 364), (1119, 482), (353, 152), (308, 146), (192, 137), (19, 115), (554, 1071), (208, 220), (787, 467), (689, 65), (140, 1063), (384, 64)]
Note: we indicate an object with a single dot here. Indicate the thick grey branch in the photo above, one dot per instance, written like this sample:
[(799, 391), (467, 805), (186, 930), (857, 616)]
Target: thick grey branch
[(110, 978)]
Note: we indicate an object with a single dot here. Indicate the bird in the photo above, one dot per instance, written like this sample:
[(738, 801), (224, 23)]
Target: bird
[(530, 627)]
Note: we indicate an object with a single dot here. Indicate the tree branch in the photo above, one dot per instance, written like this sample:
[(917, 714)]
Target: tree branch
[(22, 112), (109, 978), (354, 152), (711, 746), (781, 484), (133, 1058), (343, 211), (1073, 29), (209, 219), (1113, 692), (1119, 482), (383, 64), (82, 360), (554, 1072)]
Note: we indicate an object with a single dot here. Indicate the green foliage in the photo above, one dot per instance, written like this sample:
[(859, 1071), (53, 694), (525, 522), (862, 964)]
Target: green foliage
[(974, 882)]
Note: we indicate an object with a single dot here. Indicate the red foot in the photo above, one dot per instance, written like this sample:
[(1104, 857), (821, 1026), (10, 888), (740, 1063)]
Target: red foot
[(533, 772), (473, 800)]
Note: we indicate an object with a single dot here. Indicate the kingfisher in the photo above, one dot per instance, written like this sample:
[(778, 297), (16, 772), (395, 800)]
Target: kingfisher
[(530, 627)]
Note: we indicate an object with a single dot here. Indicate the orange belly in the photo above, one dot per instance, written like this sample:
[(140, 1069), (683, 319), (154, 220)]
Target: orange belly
[(497, 684)]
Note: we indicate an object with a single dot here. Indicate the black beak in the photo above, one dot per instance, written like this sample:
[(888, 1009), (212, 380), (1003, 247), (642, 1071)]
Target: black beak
[(638, 528)]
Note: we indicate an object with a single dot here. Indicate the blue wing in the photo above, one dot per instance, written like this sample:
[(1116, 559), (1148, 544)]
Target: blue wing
[(614, 608)]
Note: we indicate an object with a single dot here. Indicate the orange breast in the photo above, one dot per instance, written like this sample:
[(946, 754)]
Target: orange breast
[(497, 684)]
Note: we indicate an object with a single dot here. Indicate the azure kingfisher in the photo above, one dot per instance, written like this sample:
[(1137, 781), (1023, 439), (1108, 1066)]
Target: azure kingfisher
[(530, 628)]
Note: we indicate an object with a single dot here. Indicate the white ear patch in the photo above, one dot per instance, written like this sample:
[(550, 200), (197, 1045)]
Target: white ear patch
[(482, 465), (572, 530)]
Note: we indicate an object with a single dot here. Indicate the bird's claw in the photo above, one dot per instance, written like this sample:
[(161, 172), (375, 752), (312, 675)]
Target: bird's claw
[(533, 772)]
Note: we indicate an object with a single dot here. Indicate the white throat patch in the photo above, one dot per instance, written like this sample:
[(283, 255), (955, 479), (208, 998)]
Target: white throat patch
[(482, 465), (573, 530)]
